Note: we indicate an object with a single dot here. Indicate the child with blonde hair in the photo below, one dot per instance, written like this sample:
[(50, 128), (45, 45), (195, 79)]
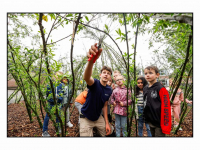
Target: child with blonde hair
[(115, 74), (119, 101)]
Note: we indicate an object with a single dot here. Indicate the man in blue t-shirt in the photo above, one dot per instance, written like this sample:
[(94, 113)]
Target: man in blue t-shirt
[(97, 99)]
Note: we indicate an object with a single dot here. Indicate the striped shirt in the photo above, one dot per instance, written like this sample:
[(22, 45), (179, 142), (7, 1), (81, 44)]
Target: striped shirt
[(140, 101)]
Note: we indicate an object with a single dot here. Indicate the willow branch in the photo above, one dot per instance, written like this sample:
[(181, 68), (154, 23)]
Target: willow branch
[(51, 29), (103, 32), (183, 69), (127, 68), (60, 40), (48, 69), (71, 58)]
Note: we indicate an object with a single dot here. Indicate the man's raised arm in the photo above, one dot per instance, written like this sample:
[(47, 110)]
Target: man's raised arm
[(88, 71)]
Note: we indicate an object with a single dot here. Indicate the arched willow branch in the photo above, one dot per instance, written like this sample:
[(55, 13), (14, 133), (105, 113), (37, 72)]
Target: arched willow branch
[(13, 94), (100, 31), (183, 69)]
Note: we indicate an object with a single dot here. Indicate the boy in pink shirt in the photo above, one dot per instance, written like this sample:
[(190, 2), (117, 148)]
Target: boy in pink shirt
[(119, 100)]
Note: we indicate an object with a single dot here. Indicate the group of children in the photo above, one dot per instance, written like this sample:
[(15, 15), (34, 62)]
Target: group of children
[(153, 103)]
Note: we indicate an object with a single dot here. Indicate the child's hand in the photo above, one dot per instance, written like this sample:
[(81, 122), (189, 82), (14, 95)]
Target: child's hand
[(114, 104), (113, 86), (121, 104)]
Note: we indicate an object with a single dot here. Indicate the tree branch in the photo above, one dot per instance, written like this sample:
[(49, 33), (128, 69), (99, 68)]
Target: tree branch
[(59, 40), (51, 29), (48, 70), (103, 32), (71, 58)]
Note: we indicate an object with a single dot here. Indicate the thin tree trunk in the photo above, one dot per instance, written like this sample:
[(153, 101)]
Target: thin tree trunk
[(127, 72), (71, 58), (49, 73), (134, 78)]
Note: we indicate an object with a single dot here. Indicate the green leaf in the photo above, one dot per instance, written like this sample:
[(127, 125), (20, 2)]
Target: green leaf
[(69, 15), (147, 18), (106, 27), (86, 18), (120, 33), (120, 21), (117, 31), (117, 38), (165, 25)]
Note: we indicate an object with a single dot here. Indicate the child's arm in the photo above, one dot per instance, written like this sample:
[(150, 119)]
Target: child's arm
[(85, 94), (165, 122), (112, 97), (88, 71), (182, 98), (70, 93), (105, 114), (59, 93)]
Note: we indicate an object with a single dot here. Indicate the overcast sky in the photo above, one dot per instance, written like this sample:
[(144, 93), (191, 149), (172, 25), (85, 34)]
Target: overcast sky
[(81, 44)]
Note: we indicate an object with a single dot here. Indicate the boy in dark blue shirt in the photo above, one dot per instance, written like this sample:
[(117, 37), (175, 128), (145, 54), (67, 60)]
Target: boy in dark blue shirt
[(97, 99)]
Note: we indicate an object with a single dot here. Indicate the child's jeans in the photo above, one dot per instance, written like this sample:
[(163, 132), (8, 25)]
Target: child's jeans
[(46, 119), (78, 106), (141, 122), (120, 122)]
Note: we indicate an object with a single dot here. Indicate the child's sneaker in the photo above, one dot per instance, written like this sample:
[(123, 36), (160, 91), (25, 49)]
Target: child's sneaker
[(59, 130), (45, 134), (180, 129), (175, 126), (69, 124)]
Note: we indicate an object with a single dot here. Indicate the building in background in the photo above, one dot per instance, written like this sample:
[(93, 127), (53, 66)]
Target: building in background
[(164, 77)]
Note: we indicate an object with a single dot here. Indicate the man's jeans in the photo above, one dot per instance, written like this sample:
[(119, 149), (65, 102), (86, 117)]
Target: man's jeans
[(120, 122), (141, 122), (46, 119)]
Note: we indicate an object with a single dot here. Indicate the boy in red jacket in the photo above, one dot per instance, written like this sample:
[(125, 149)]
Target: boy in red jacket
[(157, 109)]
